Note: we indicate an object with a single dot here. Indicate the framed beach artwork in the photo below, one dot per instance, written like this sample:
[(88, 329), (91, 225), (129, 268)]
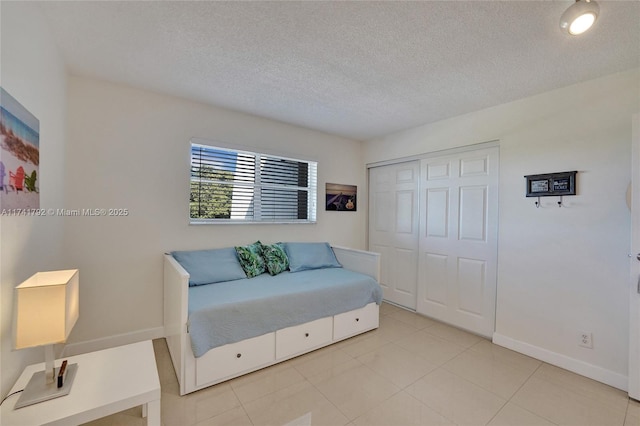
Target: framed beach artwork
[(19, 156), (341, 197)]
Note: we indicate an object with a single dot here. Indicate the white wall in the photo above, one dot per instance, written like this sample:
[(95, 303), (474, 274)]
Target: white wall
[(560, 270), (33, 73), (129, 148)]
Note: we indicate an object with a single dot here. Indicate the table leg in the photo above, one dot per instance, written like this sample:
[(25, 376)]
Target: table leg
[(151, 410)]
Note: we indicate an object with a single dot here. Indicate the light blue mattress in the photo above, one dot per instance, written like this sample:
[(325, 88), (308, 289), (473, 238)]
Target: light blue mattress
[(232, 311)]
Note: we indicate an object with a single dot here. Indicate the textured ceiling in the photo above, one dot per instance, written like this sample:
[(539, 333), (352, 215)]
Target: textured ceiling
[(357, 69)]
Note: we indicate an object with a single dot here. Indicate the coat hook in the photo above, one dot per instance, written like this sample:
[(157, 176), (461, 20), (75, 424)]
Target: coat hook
[(538, 203)]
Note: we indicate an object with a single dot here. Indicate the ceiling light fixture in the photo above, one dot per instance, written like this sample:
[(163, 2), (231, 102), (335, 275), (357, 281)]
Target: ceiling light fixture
[(580, 16)]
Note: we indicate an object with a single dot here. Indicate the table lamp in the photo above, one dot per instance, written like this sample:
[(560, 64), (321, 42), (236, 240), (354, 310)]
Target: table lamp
[(46, 309)]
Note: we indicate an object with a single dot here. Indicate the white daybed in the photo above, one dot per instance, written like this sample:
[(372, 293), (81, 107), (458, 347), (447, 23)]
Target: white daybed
[(235, 359)]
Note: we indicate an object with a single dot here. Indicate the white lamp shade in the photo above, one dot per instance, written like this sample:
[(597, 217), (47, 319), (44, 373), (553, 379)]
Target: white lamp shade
[(46, 308)]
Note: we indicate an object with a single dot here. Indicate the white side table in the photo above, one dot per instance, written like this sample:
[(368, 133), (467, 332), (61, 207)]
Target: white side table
[(106, 382)]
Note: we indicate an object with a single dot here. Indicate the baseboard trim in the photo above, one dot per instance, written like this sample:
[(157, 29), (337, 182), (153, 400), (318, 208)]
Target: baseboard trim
[(112, 341), (591, 371)]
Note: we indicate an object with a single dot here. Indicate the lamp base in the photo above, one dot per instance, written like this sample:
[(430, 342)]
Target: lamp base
[(37, 390)]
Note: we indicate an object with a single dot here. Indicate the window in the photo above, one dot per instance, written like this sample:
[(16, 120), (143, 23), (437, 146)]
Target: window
[(240, 186)]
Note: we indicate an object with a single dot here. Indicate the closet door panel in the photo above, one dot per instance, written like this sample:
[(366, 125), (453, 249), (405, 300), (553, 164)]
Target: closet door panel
[(458, 239), (393, 229)]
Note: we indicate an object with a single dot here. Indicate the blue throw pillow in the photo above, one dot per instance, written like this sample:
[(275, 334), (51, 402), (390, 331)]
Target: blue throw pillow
[(305, 256), (210, 266)]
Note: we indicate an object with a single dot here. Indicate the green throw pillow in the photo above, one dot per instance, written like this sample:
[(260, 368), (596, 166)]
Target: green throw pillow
[(251, 260), (275, 257)]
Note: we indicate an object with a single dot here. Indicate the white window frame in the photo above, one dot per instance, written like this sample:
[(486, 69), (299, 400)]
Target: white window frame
[(257, 186)]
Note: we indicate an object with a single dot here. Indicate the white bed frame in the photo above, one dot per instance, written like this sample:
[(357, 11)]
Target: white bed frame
[(233, 360)]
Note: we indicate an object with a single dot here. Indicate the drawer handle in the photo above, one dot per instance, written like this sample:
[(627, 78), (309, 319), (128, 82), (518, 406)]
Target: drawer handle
[(238, 356), (357, 319), (306, 334)]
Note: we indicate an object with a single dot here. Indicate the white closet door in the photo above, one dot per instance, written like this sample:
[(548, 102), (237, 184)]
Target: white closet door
[(458, 239), (393, 229)]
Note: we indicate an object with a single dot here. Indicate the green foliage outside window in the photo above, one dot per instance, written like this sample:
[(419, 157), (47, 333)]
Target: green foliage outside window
[(210, 198)]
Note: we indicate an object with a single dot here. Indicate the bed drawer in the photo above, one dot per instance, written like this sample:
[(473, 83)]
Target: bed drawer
[(229, 360), (356, 321), (301, 338)]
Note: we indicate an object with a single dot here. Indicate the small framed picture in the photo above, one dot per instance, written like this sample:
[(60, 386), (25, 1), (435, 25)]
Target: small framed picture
[(551, 184), (341, 197), (538, 186)]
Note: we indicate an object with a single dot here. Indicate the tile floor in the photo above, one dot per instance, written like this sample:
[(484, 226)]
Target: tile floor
[(410, 371)]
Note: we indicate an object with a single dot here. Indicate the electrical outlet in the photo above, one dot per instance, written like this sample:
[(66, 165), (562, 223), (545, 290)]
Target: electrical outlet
[(585, 340)]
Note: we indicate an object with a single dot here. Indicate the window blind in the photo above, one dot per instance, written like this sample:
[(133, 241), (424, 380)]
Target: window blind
[(241, 186)]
